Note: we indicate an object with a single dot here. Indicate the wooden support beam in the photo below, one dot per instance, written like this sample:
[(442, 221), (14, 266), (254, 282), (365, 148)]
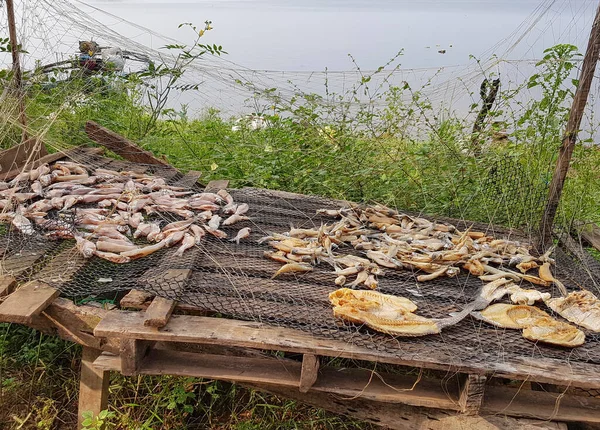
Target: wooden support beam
[(189, 179), (133, 352), (93, 386), (50, 158), (405, 417), (214, 186), (19, 155), (27, 302), (287, 373), (136, 299), (590, 232), (159, 312), (569, 139), (471, 394), (7, 284), (120, 145), (228, 332), (310, 371)]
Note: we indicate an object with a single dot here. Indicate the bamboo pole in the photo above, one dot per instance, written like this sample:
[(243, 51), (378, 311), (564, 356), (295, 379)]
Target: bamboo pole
[(570, 134), (16, 65)]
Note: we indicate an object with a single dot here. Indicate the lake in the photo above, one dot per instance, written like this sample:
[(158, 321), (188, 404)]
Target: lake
[(288, 45)]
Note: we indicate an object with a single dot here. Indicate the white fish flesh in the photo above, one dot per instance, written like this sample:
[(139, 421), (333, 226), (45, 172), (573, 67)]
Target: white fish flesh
[(242, 234)]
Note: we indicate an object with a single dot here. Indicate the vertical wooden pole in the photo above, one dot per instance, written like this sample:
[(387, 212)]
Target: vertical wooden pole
[(16, 65), (93, 386), (570, 134)]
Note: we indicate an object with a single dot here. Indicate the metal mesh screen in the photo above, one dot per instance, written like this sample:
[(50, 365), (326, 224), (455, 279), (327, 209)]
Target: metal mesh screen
[(234, 281)]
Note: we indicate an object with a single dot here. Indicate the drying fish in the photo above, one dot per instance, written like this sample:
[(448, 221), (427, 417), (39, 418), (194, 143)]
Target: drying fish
[(579, 307), (215, 222), (537, 325), (22, 224), (293, 268), (225, 196), (546, 275), (235, 218), (230, 209), (340, 280), (115, 246), (173, 238), (551, 331), (278, 256), (113, 258), (142, 252), (187, 242), (510, 316), (219, 234), (385, 313), (198, 233), (242, 234), (522, 296)]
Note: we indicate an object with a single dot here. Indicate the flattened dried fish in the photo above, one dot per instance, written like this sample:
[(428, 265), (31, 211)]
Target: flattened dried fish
[(579, 307), (242, 234), (293, 268), (187, 242)]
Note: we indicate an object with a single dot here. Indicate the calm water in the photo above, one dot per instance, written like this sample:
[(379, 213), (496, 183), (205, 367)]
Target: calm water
[(307, 35)]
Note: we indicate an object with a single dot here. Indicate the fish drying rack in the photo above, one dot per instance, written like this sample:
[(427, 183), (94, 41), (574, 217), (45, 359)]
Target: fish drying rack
[(216, 313)]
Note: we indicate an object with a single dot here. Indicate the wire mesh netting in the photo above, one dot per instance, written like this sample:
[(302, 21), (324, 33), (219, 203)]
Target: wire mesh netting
[(234, 281)]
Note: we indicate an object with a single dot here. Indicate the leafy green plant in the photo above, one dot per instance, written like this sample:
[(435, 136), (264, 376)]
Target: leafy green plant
[(102, 421)]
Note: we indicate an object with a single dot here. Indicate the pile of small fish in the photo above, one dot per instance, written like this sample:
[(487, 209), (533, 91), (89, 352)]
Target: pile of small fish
[(388, 239), (392, 240), (110, 207)]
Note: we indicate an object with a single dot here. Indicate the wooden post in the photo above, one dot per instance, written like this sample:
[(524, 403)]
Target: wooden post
[(16, 65), (570, 134), (93, 386)]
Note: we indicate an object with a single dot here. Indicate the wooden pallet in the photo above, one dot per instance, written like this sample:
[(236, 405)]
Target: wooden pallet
[(167, 337)]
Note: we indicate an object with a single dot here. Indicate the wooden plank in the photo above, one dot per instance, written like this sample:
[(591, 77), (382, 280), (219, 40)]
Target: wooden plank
[(93, 386), (136, 299), (404, 417), (189, 179), (120, 145), (50, 158), (23, 261), (28, 301), (541, 405), (159, 312), (19, 155), (214, 186), (76, 324), (132, 353), (471, 394), (283, 372), (7, 284), (310, 371), (227, 332), (590, 232)]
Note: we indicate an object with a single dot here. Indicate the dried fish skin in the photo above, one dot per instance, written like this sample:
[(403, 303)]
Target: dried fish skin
[(371, 300), (548, 330), (381, 312), (579, 307), (510, 316), (522, 296), (293, 268)]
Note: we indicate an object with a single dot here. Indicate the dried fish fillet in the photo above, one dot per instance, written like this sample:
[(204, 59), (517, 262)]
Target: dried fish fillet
[(549, 330), (386, 313), (579, 307), (536, 324), (510, 316)]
